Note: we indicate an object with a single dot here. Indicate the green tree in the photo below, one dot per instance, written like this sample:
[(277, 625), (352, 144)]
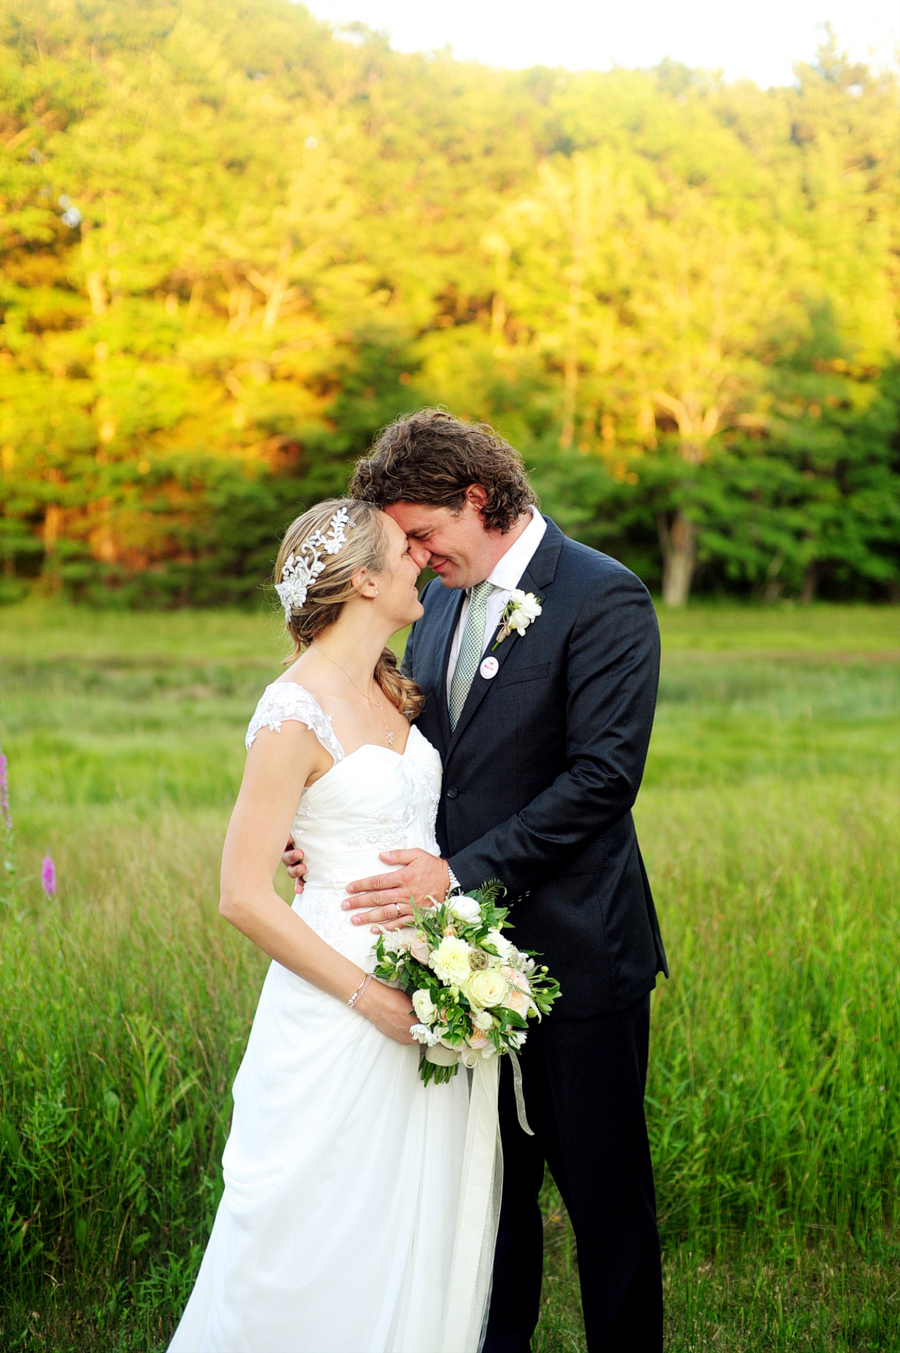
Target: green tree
[(232, 245)]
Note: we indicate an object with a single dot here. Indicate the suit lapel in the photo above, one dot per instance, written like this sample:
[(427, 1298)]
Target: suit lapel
[(538, 575)]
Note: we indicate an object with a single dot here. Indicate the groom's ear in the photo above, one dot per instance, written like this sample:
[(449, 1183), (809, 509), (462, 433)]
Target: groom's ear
[(476, 494)]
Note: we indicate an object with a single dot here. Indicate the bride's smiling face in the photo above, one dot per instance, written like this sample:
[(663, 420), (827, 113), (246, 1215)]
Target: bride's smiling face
[(398, 596)]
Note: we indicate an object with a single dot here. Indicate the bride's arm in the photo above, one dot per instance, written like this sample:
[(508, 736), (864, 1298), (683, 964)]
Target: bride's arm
[(277, 768)]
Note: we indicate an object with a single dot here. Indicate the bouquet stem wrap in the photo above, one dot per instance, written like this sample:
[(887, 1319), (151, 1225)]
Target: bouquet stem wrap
[(442, 1056), (469, 1291)]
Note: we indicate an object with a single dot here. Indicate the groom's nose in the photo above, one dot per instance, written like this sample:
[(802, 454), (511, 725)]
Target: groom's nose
[(420, 553)]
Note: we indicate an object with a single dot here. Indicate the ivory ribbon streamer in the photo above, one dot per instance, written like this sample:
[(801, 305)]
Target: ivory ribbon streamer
[(469, 1289), (520, 1098)]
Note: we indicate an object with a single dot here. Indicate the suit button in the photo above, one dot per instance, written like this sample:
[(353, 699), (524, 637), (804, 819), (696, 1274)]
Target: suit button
[(452, 792)]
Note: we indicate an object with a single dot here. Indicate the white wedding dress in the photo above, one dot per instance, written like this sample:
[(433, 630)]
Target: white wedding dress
[(359, 1209)]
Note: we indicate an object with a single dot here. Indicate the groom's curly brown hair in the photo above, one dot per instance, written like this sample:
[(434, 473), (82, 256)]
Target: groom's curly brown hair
[(431, 457)]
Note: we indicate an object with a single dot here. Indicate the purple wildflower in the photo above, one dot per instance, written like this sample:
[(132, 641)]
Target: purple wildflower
[(48, 875), (4, 792)]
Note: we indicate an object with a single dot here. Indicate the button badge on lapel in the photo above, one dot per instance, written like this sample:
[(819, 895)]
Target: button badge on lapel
[(489, 668)]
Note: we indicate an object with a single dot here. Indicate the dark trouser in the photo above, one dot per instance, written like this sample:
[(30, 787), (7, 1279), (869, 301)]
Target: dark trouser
[(584, 1083)]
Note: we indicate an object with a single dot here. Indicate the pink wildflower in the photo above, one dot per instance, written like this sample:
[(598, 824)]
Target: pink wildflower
[(48, 876), (4, 792)]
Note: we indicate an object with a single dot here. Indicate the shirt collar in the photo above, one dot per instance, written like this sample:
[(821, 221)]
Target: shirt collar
[(510, 566)]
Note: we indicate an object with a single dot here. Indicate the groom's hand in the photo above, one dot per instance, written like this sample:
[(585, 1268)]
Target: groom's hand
[(292, 859), (384, 899)]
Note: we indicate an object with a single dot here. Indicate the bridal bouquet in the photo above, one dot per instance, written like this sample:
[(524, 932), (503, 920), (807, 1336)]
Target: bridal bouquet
[(472, 989)]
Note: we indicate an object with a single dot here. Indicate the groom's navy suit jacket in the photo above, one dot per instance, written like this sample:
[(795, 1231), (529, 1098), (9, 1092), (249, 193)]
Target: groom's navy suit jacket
[(544, 765)]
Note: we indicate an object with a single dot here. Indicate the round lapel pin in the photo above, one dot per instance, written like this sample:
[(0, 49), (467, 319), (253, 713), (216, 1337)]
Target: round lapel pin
[(489, 668)]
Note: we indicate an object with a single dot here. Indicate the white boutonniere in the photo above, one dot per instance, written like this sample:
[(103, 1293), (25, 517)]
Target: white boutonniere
[(518, 613)]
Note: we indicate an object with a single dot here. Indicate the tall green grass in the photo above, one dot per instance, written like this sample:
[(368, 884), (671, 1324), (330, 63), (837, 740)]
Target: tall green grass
[(769, 820)]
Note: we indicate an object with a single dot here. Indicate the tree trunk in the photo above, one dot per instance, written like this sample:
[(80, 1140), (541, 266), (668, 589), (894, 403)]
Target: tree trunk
[(679, 549), (772, 589), (96, 293), (810, 583), (52, 526)]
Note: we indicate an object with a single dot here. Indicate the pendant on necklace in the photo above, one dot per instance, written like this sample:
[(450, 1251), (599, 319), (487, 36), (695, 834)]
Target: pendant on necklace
[(390, 737)]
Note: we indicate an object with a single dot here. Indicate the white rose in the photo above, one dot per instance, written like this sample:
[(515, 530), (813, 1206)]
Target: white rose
[(465, 909), (424, 1006), (526, 603), (525, 608), (502, 945), (450, 960), (487, 987)]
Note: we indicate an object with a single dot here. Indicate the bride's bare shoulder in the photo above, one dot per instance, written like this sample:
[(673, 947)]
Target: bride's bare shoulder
[(311, 680)]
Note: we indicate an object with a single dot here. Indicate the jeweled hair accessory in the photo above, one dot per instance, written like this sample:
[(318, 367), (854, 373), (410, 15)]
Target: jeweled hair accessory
[(304, 565)]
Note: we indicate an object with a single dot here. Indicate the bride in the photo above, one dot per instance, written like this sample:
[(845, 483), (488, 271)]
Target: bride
[(346, 1225)]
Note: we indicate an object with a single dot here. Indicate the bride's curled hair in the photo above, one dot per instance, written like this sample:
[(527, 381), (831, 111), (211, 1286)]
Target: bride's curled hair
[(365, 547)]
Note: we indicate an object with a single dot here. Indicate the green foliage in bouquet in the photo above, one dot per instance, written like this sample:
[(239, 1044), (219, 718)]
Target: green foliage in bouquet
[(472, 989)]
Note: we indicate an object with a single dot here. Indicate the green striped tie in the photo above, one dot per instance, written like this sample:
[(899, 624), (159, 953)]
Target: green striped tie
[(469, 650)]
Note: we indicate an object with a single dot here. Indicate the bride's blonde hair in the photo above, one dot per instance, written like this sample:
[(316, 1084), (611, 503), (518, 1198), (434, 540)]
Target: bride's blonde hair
[(365, 547)]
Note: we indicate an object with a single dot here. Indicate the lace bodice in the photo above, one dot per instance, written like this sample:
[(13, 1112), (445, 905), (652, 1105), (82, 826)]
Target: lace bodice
[(375, 799)]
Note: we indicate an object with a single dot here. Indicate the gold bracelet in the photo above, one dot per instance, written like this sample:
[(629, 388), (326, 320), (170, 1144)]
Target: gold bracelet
[(366, 979)]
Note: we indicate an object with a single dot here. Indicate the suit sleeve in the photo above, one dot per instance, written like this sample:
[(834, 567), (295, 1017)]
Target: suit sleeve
[(611, 683)]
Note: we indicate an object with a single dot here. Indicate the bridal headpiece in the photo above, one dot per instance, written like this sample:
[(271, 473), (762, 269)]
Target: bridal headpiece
[(304, 565)]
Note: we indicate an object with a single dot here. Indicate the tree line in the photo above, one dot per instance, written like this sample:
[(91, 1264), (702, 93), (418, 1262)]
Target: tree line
[(234, 243)]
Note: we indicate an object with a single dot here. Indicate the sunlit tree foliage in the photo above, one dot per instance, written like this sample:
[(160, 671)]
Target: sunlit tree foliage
[(235, 244)]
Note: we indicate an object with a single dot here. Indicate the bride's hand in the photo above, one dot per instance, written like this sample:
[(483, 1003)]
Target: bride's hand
[(389, 1010)]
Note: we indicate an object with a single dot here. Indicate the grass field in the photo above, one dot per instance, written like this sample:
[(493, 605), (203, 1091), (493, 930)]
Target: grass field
[(769, 821)]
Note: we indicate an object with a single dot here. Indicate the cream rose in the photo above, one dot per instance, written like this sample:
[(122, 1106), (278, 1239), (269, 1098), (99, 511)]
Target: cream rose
[(519, 1002), (519, 998), (477, 1041), (419, 949), (487, 987)]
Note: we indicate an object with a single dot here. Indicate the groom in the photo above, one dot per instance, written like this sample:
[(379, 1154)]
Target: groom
[(543, 739)]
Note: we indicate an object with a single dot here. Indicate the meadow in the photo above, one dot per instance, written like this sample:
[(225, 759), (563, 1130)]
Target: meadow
[(769, 822)]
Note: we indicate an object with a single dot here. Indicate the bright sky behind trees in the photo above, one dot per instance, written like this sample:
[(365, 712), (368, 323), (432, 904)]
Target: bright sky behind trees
[(761, 39)]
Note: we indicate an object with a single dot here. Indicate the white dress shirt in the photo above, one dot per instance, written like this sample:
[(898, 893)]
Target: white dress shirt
[(505, 575)]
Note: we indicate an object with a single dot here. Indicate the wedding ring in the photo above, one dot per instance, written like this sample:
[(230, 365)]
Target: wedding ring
[(399, 908)]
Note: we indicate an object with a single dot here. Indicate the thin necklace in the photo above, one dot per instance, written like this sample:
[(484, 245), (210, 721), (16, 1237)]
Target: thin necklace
[(387, 732)]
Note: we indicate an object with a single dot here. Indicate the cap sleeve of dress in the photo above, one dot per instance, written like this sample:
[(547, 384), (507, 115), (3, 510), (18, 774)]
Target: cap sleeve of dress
[(286, 700)]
